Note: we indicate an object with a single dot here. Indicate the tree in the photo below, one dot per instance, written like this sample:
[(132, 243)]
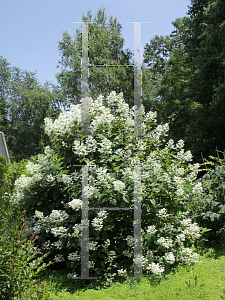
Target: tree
[(105, 47), (25, 104), (4, 78), (190, 77), (156, 56), (205, 46)]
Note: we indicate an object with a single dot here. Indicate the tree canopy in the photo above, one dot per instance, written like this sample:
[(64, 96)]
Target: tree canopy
[(105, 48), (24, 106), (187, 69)]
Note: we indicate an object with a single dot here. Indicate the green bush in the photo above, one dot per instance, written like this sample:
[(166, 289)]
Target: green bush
[(17, 263), (212, 201), (51, 192)]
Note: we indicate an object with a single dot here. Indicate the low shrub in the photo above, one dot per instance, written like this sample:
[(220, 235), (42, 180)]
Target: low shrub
[(18, 267), (211, 214)]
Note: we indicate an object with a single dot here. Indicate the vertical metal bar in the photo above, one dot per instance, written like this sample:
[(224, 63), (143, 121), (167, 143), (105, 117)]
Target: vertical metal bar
[(85, 82), (137, 222), (137, 77), (85, 227)]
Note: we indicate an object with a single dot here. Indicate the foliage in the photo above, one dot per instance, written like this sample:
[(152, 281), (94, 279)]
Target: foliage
[(16, 252), (212, 201), (51, 191), (187, 69), (24, 105), (105, 48)]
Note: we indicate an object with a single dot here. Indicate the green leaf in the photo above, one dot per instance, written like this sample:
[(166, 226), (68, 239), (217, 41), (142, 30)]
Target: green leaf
[(116, 168), (152, 201), (126, 199), (109, 227)]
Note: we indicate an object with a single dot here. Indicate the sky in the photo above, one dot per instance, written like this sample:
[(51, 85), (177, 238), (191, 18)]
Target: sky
[(31, 29)]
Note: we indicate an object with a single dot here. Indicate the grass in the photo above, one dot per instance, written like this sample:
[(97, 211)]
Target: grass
[(205, 280)]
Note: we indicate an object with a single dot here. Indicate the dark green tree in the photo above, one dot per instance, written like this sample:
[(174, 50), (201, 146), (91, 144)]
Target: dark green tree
[(205, 46), (189, 80), (5, 74)]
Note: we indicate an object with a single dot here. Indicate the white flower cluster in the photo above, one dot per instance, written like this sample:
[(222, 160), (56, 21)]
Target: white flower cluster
[(156, 269), (60, 231), (179, 183), (128, 253), (75, 204), (169, 258), (151, 116), (180, 171), (197, 189), (90, 191), (47, 245), (71, 275), (97, 223), (64, 178), (39, 214), (193, 230), (93, 245), (180, 144), (102, 214), (181, 238), (77, 229), (50, 178), (32, 168), (158, 132), (130, 240), (63, 124), (105, 146), (162, 213), (58, 258), (189, 257), (184, 156), (57, 216), (165, 242), (168, 227), (91, 264), (79, 148), (157, 169), (121, 272), (21, 184), (186, 222), (73, 256), (119, 185), (102, 119), (111, 258), (102, 177), (58, 244), (37, 228), (151, 229), (119, 152), (91, 144)]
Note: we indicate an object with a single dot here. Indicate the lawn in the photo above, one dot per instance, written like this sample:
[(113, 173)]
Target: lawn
[(204, 280)]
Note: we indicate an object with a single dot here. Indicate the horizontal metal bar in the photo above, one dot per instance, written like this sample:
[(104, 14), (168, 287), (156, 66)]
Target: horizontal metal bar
[(110, 208), (85, 278), (92, 65)]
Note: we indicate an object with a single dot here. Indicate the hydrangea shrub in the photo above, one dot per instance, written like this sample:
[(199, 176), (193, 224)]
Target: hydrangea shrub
[(51, 192)]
